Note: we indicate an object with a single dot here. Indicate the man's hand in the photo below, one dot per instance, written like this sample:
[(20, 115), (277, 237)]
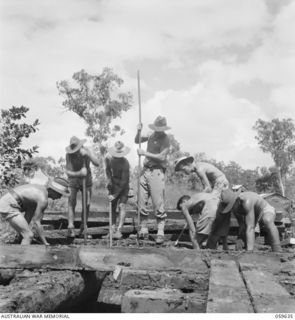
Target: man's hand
[(141, 152), (208, 189), (84, 151), (83, 172), (139, 127), (111, 197)]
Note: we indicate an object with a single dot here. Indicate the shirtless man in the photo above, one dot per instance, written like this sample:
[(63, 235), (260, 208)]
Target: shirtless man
[(251, 210), (199, 211), (26, 204), (213, 179)]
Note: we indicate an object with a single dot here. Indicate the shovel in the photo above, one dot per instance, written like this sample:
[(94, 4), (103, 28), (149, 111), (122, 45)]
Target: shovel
[(181, 233)]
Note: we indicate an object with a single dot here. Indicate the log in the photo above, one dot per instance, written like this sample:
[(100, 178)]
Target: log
[(53, 291), (132, 213), (171, 226), (98, 258)]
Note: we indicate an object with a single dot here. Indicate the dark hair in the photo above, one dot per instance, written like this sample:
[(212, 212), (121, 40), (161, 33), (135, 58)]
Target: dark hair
[(181, 200), (196, 209)]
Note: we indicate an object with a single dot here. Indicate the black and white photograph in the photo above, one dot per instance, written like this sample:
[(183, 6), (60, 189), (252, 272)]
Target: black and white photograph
[(147, 158)]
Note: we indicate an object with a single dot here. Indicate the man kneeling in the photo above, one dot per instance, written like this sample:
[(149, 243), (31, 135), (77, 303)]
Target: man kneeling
[(26, 204)]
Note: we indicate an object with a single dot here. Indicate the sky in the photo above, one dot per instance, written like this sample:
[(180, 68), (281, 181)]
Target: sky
[(211, 67)]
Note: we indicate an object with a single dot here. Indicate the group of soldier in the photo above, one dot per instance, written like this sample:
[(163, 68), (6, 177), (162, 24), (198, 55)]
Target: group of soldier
[(207, 213)]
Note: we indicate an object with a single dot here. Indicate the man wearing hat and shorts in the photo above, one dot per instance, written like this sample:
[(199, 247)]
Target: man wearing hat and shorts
[(200, 212), (26, 204), (251, 210), (117, 171), (152, 179), (78, 160), (213, 179)]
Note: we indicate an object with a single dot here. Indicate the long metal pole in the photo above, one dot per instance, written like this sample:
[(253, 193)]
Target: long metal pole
[(84, 203), (110, 223), (139, 143)]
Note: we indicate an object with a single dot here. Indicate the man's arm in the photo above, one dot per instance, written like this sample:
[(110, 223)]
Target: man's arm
[(242, 230), (143, 138), (76, 174), (162, 156), (91, 155), (108, 169), (190, 223), (108, 174), (37, 217), (202, 175), (250, 224)]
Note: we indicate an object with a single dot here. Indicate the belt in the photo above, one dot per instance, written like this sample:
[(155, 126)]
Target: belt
[(17, 198), (155, 168)]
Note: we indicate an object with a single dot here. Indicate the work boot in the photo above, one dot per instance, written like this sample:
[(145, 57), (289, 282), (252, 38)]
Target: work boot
[(71, 233), (81, 234), (117, 235), (143, 233), (107, 236), (160, 234), (160, 239)]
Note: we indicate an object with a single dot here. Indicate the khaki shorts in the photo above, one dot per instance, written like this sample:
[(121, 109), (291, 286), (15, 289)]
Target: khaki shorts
[(267, 209), (220, 184), (9, 208)]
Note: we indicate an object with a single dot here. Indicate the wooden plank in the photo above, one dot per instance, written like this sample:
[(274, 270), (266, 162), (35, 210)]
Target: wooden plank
[(227, 293), (170, 226), (130, 214), (99, 258), (172, 214), (267, 295), (162, 300)]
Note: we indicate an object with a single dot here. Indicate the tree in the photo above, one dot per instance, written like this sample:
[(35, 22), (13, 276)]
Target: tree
[(12, 133), (268, 182), (174, 153), (277, 137), (50, 166), (97, 100)]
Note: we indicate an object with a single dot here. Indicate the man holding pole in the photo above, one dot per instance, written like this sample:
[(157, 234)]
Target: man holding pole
[(78, 160), (152, 179)]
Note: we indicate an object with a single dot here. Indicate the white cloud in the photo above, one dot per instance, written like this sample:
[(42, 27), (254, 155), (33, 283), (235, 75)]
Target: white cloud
[(213, 45)]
